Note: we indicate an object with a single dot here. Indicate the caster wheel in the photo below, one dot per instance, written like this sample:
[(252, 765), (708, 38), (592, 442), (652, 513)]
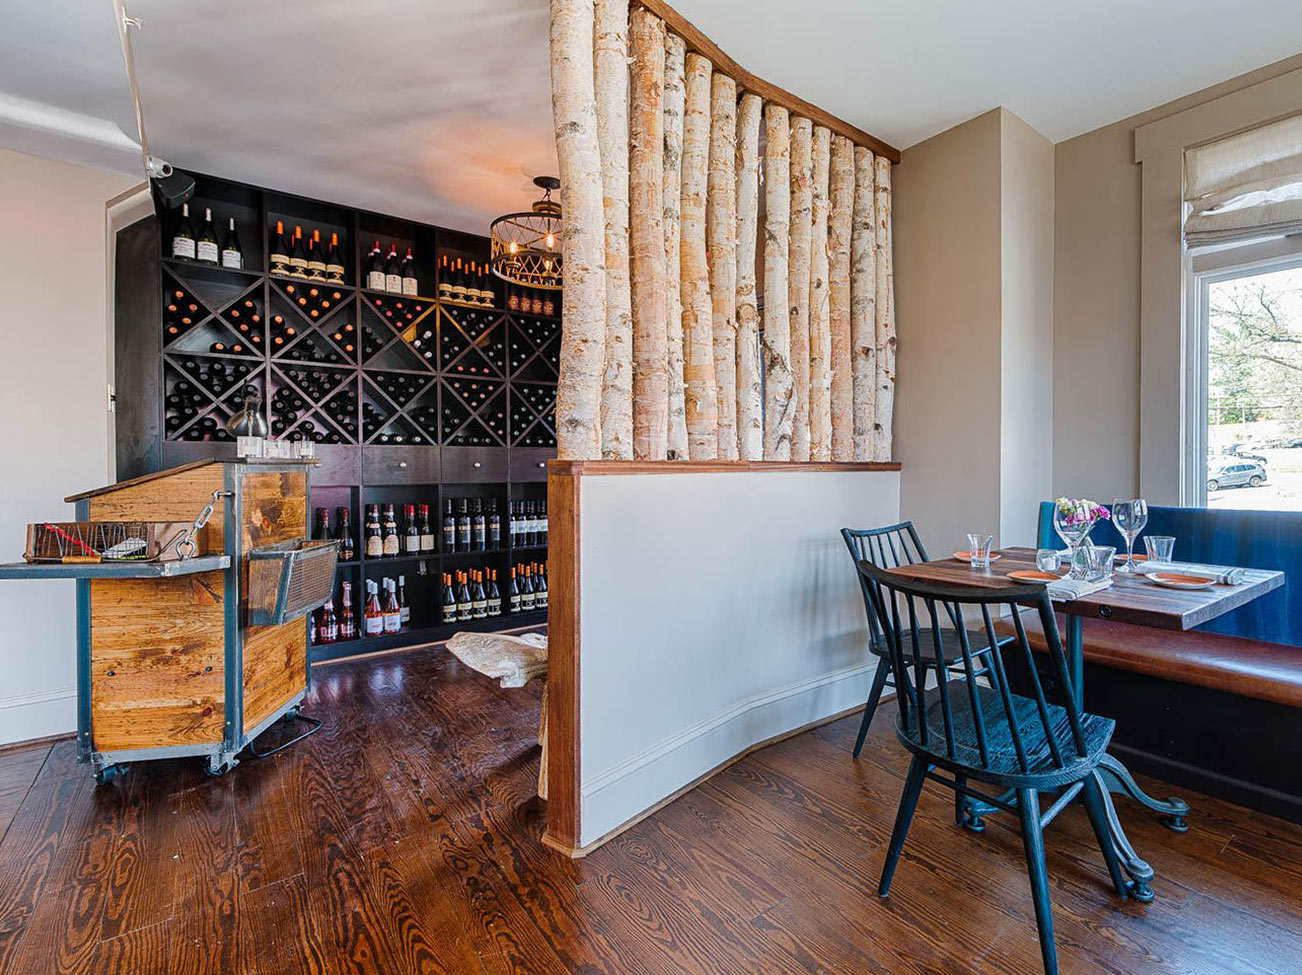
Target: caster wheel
[(973, 824), (1176, 824), (1141, 892), (217, 771), (107, 774)]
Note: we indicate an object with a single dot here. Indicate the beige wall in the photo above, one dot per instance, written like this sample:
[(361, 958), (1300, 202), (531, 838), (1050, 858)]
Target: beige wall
[(947, 286), (1097, 295), (973, 280), (1026, 340), (53, 391)]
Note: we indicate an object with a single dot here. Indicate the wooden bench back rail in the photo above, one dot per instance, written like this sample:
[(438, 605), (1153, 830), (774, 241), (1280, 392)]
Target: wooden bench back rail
[(1250, 668)]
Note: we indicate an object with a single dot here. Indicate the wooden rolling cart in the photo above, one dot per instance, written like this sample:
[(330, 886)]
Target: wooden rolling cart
[(184, 657)]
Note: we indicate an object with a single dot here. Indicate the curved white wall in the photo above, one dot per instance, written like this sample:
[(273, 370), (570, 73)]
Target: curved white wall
[(718, 610)]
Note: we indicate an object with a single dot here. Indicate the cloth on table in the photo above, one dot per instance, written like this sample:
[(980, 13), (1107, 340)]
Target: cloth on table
[(513, 660)]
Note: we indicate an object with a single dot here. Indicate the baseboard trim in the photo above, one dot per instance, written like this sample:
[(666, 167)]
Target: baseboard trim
[(43, 742), (576, 853), (33, 717)]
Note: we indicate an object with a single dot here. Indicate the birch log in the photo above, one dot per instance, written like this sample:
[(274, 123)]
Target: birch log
[(675, 51), (839, 221), (721, 246), (863, 315), (646, 224), (583, 339), (750, 417), (820, 336), (611, 64), (698, 333), (885, 314), (779, 388), (798, 280)]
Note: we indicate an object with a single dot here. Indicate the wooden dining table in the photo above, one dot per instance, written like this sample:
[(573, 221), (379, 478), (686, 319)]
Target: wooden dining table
[(1131, 599)]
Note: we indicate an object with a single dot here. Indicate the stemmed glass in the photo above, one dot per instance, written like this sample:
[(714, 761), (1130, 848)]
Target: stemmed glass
[(1130, 517), (1072, 520)]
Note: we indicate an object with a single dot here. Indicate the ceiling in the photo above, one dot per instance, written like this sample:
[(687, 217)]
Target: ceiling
[(440, 111)]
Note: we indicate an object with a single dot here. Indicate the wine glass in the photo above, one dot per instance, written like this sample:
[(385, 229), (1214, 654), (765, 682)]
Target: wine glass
[(1073, 521), (1130, 517)]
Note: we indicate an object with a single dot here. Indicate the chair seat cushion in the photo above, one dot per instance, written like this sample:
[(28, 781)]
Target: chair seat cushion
[(953, 653), (1002, 758)]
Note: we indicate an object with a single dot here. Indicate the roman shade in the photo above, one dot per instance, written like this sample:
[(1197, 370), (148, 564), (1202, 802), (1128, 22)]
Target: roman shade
[(1245, 186)]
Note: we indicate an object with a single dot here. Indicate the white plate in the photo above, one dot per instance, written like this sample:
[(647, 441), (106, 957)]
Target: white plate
[(1179, 580)]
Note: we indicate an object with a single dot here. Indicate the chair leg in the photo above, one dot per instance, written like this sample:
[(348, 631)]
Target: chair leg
[(1092, 797), (869, 709), (908, 803), (1028, 805)]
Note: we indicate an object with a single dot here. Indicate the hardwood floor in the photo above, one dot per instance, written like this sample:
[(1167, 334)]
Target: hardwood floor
[(404, 837)]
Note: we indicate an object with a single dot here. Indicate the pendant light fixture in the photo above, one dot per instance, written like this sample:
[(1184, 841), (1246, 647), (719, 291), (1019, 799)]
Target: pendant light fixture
[(526, 247)]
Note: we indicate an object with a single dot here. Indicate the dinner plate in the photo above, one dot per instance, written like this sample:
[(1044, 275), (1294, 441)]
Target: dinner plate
[(1033, 575), (967, 556), (1174, 580)]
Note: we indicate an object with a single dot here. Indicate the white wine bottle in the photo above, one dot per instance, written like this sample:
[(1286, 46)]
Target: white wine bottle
[(183, 239), (232, 252), (205, 244)]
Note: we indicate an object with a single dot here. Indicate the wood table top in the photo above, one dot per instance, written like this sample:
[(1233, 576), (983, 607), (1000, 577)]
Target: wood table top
[(1130, 598)]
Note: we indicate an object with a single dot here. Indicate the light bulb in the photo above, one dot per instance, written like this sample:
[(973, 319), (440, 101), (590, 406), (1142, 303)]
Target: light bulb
[(551, 241)]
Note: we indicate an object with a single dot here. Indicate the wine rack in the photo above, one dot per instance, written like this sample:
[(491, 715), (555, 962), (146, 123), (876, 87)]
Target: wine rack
[(409, 398)]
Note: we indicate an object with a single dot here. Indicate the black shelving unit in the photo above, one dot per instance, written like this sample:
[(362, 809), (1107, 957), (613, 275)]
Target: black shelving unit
[(410, 399)]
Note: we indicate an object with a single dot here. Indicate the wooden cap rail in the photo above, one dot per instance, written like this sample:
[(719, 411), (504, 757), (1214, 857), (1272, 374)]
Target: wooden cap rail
[(701, 44)]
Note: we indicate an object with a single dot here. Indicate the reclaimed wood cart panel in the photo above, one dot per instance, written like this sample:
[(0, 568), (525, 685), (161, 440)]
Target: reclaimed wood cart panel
[(275, 657), (157, 669), (167, 496)]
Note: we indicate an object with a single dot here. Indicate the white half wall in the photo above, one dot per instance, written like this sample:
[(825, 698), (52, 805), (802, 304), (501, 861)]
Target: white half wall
[(54, 438), (718, 610)]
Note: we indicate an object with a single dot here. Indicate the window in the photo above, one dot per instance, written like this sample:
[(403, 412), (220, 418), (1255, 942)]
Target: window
[(1244, 423)]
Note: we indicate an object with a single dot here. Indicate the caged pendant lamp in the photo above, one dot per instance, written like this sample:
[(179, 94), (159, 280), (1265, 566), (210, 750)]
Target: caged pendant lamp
[(526, 247)]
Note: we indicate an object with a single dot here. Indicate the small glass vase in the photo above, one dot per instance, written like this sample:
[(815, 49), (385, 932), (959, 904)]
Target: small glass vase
[(1074, 532)]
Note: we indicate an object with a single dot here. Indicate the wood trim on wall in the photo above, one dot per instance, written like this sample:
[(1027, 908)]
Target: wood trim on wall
[(563, 754), (600, 467), (701, 44)]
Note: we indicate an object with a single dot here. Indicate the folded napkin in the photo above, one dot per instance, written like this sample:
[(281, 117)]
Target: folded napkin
[(1224, 574), (1065, 590)]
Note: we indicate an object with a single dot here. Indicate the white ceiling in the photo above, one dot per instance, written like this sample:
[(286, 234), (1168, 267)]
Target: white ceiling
[(440, 110)]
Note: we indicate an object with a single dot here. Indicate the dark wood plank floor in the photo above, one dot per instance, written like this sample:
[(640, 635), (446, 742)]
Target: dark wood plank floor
[(405, 838)]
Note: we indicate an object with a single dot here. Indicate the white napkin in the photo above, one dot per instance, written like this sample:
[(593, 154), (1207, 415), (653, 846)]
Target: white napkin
[(1065, 590), (1224, 574)]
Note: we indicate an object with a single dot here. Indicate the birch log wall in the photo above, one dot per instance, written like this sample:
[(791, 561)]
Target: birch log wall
[(664, 354)]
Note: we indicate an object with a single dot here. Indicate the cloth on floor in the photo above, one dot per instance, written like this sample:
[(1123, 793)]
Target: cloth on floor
[(514, 660)]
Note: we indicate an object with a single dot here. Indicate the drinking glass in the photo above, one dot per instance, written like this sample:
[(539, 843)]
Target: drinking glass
[(1130, 517), (1101, 560), (978, 550), (1048, 559), (1159, 547), (1073, 527)]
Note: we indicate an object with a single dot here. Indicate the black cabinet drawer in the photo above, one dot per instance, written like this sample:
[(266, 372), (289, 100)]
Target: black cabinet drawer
[(339, 464), (530, 463), (474, 465), (400, 465)]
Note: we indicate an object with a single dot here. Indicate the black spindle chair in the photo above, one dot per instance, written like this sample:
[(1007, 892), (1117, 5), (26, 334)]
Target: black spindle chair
[(887, 548), (980, 731)]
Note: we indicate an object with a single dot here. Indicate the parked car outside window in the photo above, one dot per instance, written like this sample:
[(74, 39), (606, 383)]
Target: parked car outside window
[(1237, 475)]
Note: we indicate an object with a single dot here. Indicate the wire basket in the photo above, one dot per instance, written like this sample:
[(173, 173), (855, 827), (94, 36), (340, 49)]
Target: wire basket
[(102, 541), (290, 579)]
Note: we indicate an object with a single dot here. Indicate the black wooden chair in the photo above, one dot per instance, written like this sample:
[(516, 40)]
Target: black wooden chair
[(986, 733), (886, 548)]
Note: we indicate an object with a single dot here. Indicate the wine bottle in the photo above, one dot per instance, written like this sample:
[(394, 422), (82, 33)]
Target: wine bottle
[(464, 606), (449, 527), (316, 266), (478, 599), (327, 626), (347, 621), (444, 279), (278, 259), (463, 526), (392, 611), (449, 600), (334, 261), (393, 272), (409, 283), (183, 240), (391, 544), (494, 525), (513, 593), (411, 536), (298, 256), (540, 587), (403, 609), (458, 283), (206, 251), (344, 532), (232, 252), (478, 527), (526, 591), (374, 535), (373, 616), (542, 522), (426, 530), (321, 530), (494, 595), (512, 300), (375, 268)]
